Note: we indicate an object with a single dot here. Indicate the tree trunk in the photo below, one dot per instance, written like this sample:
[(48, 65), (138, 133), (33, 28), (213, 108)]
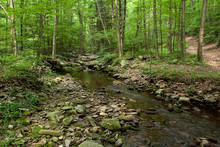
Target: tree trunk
[(161, 31), (13, 29), (54, 31), (145, 31), (170, 27), (183, 40), (174, 29), (81, 41), (21, 25), (201, 33), (118, 28), (155, 29), (123, 25)]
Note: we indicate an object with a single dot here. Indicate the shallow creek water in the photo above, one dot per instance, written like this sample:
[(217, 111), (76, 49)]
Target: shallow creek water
[(162, 129)]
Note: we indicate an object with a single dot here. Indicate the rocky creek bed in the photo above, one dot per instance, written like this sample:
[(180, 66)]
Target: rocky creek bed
[(175, 121), (90, 108)]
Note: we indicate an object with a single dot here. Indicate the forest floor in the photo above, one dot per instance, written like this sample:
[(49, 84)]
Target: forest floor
[(211, 52)]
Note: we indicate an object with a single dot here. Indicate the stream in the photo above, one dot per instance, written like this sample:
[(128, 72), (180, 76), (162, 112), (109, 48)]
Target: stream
[(160, 128)]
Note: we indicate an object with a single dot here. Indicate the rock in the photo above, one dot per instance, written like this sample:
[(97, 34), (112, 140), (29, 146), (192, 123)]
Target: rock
[(10, 126), (204, 143), (41, 143), (119, 142), (55, 139), (78, 101), (95, 129), (91, 121), (67, 121), (27, 112), (49, 132), (211, 100), (127, 117), (80, 109), (90, 144), (52, 117), (67, 142), (170, 107), (72, 112), (67, 108), (103, 114), (196, 109), (111, 124), (184, 99), (160, 92), (123, 63)]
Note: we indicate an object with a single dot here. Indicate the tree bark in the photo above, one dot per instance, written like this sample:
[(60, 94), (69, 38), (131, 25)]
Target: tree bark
[(13, 30), (145, 31), (21, 25), (170, 27), (183, 40), (155, 29), (161, 31), (54, 31), (201, 33), (81, 41), (118, 28)]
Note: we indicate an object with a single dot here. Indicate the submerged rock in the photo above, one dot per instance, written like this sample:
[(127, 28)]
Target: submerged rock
[(127, 117), (111, 124), (90, 144)]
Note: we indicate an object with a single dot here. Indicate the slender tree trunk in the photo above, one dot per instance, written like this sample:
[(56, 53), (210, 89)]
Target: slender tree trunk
[(183, 40), (138, 19), (54, 31), (149, 29), (13, 29), (201, 33), (161, 31), (118, 28), (170, 27), (21, 25), (81, 41), (123, 25), (103, 25), (155, 29), (174, 29), (145, 31)]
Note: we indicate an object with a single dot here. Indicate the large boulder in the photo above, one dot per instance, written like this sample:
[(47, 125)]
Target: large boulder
[(111, 124)]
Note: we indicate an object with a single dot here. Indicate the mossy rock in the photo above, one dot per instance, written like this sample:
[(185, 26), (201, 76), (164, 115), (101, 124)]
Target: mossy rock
[(50, 132), (90, 144), (71, 112), (67, 121), (111, 124), (35, 131), (78, 101)]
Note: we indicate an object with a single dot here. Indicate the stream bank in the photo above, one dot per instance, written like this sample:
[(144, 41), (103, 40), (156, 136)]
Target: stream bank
[(159, 124), (178, 90)]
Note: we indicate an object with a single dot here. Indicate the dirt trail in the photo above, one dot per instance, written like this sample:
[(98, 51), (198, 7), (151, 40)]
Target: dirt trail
[(211, 52)]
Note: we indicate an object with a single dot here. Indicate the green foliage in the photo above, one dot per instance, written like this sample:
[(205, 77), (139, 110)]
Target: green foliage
[(16, 66), (175, 74), (14, 109), (191, 91)]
